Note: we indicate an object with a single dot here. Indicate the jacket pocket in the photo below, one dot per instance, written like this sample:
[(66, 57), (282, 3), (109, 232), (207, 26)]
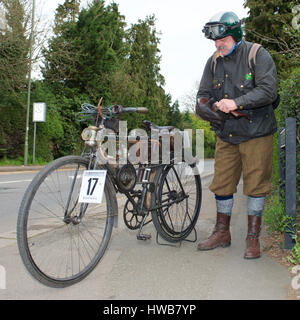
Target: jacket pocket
[(262, 121), (245, 86), (217, 89)]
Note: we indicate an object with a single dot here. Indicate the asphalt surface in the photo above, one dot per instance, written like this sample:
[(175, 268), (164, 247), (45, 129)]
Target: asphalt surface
[(148, 270)]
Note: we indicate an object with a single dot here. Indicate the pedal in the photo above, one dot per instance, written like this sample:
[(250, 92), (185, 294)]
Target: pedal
[(143, 237)]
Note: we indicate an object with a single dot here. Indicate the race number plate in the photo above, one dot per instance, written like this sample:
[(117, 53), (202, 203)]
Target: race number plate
[(92, 186)]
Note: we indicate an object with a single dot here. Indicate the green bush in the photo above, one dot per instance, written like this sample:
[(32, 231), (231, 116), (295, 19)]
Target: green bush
[(274, 215), (290, 107), (209, 136), (294, 256)]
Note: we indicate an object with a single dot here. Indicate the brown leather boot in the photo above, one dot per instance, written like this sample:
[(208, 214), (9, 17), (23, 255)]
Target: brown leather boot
[(221, 235), (252, 240)]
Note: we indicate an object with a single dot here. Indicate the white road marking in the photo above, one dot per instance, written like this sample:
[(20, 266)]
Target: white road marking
[(16, 181)]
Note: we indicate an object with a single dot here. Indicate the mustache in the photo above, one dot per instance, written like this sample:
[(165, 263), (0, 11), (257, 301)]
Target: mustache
[(221, 50)]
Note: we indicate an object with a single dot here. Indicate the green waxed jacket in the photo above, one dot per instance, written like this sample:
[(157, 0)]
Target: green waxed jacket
[(253, 90)]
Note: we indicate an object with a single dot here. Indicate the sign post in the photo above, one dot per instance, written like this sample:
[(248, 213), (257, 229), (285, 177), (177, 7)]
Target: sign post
[(39, 115)]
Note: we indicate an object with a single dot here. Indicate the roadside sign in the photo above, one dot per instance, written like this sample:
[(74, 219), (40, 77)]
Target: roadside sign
[(39, 112)]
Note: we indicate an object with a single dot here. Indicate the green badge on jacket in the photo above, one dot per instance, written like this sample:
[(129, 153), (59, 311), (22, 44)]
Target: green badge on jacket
[(248, 76)]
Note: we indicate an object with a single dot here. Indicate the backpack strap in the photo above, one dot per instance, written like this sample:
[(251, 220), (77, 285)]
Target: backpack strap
[(214, 61), (252, 54), (251, 57)]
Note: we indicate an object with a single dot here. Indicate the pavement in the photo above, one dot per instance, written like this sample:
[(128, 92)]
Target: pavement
[(20, 168), (147, 270)]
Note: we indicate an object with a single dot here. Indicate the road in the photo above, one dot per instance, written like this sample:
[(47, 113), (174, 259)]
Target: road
[(12, 188)]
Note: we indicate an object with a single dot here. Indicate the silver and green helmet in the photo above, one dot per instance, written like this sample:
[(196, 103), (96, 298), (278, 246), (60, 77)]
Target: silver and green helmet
[(223, 24)]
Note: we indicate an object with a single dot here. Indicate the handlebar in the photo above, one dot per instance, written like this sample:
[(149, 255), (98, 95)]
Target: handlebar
[(118, 109), (89, 111)]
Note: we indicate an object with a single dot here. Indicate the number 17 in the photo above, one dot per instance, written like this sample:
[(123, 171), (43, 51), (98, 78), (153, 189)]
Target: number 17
[(89, 190)]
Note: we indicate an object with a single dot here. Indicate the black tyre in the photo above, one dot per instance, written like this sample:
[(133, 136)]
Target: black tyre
[(179, 193), (59, 252)]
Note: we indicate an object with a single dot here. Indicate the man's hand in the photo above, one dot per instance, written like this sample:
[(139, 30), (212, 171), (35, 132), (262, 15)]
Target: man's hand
[(226, 105)]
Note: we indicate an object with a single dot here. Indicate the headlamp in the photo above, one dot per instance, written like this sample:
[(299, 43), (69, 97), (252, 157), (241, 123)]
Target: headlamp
[(89, 135)]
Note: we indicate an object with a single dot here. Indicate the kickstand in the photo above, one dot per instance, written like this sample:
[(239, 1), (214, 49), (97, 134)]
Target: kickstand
[(140, 235), (178, 244), (195, 232)]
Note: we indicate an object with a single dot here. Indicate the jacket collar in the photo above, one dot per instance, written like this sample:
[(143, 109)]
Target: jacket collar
[(236, 50)]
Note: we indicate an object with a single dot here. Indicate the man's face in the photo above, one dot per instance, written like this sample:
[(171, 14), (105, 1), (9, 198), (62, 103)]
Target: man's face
[(224, 45)]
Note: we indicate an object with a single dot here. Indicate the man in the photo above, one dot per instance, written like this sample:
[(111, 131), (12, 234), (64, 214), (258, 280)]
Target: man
[(236, 97)]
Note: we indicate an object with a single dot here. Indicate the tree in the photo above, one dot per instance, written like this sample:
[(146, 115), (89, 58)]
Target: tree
[(188, 100), (143, 68), (85, 51), (15, 30), (62, 54), (14, 46), (89, 55), (270, 23), (174, 116), (65, 13), (101, 35)]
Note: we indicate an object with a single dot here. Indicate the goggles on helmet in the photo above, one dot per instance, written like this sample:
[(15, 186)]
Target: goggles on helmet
[(214, 31)]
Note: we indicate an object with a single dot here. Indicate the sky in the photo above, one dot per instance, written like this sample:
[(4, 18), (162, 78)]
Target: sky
[(184, 49)]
